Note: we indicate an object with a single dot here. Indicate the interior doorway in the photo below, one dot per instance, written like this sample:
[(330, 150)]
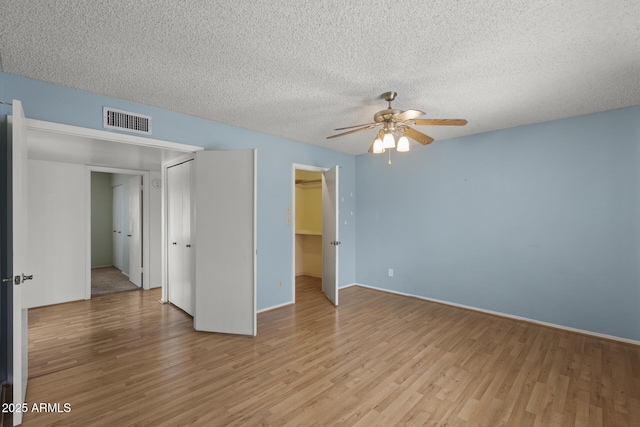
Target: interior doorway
[(314, 216), (308, 231), (116, 232)]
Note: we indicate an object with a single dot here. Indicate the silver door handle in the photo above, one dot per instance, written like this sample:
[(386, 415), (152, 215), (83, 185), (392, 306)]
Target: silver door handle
[(188, 246), (25, 278)]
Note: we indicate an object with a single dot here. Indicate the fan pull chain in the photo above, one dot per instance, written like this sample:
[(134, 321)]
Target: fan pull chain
[(389, 157)]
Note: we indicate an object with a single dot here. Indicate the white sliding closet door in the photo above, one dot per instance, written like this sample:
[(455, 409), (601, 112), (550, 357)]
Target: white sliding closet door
[(179, 252)]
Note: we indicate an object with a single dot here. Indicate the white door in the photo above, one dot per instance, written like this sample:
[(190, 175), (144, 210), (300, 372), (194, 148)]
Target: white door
[(187, 258), (330, 240), (135, 231), (180, 268), (225, 241), (19, 369), (117, 227)]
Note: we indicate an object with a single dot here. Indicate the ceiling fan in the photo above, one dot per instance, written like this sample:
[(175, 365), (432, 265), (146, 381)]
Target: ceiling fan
[(398, 122)]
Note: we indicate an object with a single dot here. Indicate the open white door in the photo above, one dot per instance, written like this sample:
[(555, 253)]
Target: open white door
[(18, 371), (135, 231), (225, 242), (330, 240)]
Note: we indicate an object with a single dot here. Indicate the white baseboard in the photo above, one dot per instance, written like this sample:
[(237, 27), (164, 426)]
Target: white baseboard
[(350, 285), (509, 316), (310, 275), (273, 307), (102, 266)]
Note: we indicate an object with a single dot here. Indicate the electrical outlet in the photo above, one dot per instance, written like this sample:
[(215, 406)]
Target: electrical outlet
[(288, 220), (288, 210), (391, 272)]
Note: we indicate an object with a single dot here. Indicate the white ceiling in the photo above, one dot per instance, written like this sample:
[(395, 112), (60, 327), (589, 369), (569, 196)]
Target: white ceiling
[(299, 69)]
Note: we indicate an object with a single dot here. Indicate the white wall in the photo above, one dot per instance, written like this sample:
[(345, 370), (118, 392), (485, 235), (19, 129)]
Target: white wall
[(57, 233)]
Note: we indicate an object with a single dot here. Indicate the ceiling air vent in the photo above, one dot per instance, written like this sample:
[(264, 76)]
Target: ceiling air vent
[(123, 120)]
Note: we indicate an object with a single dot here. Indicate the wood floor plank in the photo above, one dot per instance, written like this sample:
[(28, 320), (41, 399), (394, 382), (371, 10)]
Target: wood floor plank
[(377, 359)]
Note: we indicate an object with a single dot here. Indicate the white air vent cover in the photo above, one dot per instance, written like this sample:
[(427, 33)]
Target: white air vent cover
[(123, 120)]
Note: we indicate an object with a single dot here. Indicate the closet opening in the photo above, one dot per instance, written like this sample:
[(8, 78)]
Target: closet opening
[(308, 232), (315, 231)]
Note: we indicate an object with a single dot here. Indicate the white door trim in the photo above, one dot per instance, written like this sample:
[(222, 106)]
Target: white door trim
[(293, 220), (145, 222), (44, 126)]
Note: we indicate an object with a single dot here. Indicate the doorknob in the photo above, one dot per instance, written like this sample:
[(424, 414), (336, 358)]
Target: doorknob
[(188, 246), (25, 278), (128, 235), (175, 243)]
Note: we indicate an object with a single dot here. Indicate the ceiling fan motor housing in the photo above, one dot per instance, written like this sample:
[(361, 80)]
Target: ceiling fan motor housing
[(387, 114)]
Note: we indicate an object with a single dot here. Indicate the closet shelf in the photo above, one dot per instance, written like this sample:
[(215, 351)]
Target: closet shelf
[(309, 232)]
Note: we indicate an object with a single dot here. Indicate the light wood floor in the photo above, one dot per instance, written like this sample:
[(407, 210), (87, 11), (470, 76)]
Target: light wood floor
[(378, 359)]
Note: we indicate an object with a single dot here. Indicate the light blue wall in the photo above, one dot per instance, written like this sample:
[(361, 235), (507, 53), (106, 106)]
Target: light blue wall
[(54, 103), (539, 221)]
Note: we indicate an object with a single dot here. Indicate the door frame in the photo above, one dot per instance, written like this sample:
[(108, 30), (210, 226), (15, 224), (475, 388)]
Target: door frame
[(309, 168), (145, 221)]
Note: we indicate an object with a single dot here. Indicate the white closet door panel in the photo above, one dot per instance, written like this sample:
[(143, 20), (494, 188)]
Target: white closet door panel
[(225, 241), (117, 227), (186, 244), (330, 240), (135, 231), (180, 269)]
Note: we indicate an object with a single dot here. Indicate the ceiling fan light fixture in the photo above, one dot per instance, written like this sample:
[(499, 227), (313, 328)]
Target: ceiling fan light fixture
[(403, 144), (392, 121), (377, 146), (388, 141)]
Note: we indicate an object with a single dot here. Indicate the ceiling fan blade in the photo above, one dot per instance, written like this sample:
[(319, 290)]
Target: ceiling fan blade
[(351, 127), (351, 131), (440, 122), (409, 114), (418, 136)]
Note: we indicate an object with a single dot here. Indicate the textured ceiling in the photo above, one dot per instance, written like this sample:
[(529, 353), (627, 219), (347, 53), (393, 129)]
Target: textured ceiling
[(299, 69)]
